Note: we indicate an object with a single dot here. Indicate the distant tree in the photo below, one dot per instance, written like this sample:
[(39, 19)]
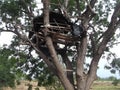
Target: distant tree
[(99, 18), (116, 82), (111, 78)]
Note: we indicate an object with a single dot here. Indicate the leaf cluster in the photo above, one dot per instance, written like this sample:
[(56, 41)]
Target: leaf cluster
[(12, 9), (7, 76), (114, 66)]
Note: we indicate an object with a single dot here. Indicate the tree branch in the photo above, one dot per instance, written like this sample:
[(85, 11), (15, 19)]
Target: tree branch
[(106, 38), (78, 7), (93, 45), (48, 62), (111, 29), (2, 30), (64, 8), (66, 3), (91, 4), (69, 68), (89, 13), (28, 9), (29, 42)]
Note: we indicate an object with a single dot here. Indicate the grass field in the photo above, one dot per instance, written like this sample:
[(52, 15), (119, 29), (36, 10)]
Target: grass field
[(98, 85), (104, 85), (106, 88)]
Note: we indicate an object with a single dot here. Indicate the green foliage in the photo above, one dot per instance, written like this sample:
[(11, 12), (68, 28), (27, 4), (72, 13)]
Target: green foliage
[(18, 82), (71, 7), (55, 4), (113, 71), (12, 11), (9, 71), (115, 82), (111, 78), (11, 8), (47, 79), (55, 86), (105, 86), (30, 87), (34, 66), (114, 66), (37, 88), (7, 77), (116, 63)]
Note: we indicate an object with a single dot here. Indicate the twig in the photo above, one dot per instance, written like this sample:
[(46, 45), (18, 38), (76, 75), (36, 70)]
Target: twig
[(114, 44), (88, 3), (2, 30), (78, 7)]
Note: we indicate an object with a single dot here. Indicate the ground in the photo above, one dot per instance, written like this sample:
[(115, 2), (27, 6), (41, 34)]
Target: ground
[(98, 85), (24, 86), (104, 85)]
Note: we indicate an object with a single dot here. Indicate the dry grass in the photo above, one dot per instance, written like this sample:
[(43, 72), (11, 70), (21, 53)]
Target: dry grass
[(24, 86), (98, 85), (104, 85)]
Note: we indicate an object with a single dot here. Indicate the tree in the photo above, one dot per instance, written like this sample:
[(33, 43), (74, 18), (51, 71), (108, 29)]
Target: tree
[(100, 19)]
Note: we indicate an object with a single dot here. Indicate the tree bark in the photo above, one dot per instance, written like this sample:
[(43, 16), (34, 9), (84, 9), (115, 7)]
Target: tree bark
[(69, 68), (60, 70), (80, 65)]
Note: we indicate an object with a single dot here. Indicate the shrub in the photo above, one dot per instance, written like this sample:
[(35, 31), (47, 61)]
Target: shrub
[(115, 82), (36, 88), (29, 87)]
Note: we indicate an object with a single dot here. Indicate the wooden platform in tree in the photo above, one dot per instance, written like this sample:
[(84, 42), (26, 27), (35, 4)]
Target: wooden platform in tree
[(60, 35)]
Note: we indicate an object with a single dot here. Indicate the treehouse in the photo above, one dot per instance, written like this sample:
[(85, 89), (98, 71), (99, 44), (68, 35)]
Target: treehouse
[(61, 30)]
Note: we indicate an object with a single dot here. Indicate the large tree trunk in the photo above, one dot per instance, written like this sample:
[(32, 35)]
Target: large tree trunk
[(81, 77)]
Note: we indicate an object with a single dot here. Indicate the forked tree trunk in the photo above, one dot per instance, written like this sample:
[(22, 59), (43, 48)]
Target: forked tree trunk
[(83, 80)]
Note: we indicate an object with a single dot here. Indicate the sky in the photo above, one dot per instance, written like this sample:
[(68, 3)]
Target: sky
[(102, 72), (6, 37)]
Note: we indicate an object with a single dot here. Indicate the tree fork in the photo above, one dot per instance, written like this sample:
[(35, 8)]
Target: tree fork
[(60, 72)]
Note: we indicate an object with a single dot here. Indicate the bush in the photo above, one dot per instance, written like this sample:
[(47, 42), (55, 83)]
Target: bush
[(115, 82), (29, 87), (36, 88)]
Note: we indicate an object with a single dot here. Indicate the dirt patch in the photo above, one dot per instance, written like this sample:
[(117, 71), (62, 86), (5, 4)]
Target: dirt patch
[(24, 85)]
